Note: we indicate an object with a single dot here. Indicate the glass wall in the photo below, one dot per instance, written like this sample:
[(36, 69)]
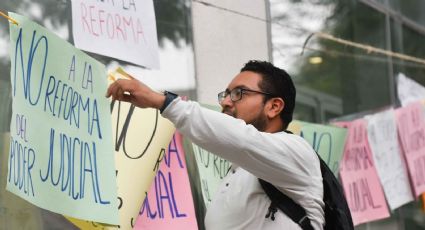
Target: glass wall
[(358, 79), (411, 9), (174, 30), (338, 80)]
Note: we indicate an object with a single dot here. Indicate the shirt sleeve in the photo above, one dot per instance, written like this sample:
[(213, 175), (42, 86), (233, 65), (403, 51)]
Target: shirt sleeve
[(285, 160)]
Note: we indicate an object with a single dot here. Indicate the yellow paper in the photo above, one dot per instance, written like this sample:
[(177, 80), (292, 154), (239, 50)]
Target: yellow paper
[(295, 127), (89, 225)]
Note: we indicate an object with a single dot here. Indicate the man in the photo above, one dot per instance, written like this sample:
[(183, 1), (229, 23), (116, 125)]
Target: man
[(257, 108)]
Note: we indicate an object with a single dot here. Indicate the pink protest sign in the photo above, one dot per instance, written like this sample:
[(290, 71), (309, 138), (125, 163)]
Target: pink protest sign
[(359, 178), (169, 203), (411, 130)]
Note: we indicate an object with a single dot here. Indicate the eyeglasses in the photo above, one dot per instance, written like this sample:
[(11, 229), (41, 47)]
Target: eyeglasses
[(236, 94)]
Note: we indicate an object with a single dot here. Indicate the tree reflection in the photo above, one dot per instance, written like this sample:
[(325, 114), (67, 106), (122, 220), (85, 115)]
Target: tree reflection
[(350, 74)]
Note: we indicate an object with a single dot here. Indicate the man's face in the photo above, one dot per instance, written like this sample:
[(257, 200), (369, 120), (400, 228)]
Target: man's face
[(250, 107)]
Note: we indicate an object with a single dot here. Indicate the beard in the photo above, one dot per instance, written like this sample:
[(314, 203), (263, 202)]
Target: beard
[(260, 122)]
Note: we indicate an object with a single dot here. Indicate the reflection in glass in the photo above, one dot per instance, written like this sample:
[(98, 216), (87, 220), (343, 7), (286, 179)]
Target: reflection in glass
[(362, 81), (343, 72)]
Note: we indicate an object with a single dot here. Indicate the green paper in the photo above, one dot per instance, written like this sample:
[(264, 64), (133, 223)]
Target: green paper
[(61, 154), (212, 168), (328, 141)]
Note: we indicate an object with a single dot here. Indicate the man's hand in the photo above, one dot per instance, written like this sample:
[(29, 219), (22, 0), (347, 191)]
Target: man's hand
[(136, 93)]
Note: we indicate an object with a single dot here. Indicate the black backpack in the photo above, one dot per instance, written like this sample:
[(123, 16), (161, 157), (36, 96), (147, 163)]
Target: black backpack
[(337, 213)]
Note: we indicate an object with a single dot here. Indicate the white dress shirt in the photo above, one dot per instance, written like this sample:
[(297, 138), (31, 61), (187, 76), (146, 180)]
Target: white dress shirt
[(287, 161)]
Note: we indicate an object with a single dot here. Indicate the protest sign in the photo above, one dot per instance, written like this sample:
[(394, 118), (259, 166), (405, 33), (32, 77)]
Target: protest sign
[(327, 141), (408, 90), (359, 178), (212, 169), (169, 202), (61, 150), (383, 140), (14, 209), (411, 130), (125, 30)]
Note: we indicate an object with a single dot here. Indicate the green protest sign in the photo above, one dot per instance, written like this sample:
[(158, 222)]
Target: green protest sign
[(210, 167), (61, 154), (328, 141)]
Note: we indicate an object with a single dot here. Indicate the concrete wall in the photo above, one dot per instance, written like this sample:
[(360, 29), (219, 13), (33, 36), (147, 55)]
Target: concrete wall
[(224, 41)]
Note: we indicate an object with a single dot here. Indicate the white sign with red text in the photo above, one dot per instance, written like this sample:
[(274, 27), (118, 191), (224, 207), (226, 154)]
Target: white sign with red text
[(124, 30)]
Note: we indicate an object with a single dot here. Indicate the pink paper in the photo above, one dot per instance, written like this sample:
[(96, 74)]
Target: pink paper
[(359, 178), (411, 131), (169, 203)]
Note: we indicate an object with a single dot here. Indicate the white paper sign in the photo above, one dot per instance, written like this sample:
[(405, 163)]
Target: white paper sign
[(409, 90), (383, 141), (125, 30)]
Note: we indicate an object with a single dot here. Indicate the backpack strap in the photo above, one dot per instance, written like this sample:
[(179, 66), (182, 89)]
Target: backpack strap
[(286, 204)]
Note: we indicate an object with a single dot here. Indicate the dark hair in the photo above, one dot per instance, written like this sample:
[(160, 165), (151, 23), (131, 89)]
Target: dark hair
[(275, 81)]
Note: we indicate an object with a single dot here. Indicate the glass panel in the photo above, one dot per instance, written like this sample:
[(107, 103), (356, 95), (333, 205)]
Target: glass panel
[(412, 216), (411, 44), (304, 113), (395, 5), (414, 10), (360, 79), (330, 115), (381, 1), (408, 41), (351, 74)]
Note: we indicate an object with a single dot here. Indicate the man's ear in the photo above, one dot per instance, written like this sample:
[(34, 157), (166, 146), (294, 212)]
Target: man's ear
[(275, 107)]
